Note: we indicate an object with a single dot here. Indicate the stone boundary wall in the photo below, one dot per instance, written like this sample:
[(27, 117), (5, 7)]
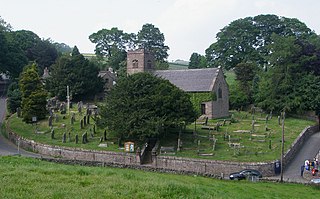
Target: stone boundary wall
[(160, 163), (296, 145)]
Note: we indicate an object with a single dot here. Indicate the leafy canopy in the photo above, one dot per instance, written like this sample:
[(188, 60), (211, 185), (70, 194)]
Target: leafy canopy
[(142, 105)]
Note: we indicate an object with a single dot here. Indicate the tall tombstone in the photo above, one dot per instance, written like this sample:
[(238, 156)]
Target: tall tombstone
[(80, 107), (81, 124), (85, 120), (64, 137), (94, 129), (56, 116), (52, 134), (18, 112), (86, 136), (88, 119), (50, 119), (77, 139), (73, 118), (83, 138), (69, 137), (105, 135)]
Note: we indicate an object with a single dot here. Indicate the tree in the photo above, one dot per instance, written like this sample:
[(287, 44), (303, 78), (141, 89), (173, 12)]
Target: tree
[(197, 61), (13, 97), (78, 73), (151, 39), (109, 40), (140, 105), (291, 82), (4, 26), (33, 94), (247, 39)]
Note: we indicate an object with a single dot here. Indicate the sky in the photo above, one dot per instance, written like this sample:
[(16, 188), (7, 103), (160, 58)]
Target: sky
[(188, 25)]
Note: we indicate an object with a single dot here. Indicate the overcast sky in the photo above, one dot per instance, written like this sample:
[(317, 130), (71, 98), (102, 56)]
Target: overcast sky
[(188, 25)]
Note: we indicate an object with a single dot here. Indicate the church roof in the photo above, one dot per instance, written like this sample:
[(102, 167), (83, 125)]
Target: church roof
[(191, 80)]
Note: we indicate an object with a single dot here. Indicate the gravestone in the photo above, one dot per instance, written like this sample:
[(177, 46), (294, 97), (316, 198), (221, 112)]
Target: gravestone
[(50, 119), (81, 124), (94, 129), (70, 105), (64, 137), (279, 120), (69, 137), (73, 118), (77, 139), (105, 135), (52, 134), (85, 120), (88, 119), (18, 112), (84, 138), (79, 107), (56, 116), (63, 108)]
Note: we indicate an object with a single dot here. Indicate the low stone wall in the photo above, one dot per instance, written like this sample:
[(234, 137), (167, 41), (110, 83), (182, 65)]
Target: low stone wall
[(211, 166), (169, 164), (75, 153), (299, 141)]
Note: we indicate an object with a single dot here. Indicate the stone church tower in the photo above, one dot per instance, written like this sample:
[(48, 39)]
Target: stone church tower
[(140, 61)]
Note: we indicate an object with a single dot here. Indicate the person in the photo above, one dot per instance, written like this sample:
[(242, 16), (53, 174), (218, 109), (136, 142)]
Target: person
[(302, 170)]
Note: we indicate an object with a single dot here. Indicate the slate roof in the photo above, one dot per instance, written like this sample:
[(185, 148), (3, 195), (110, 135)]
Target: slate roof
[(191, 80)]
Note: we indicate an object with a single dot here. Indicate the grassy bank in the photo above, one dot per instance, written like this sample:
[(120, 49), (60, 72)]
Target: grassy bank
[(31, 178)]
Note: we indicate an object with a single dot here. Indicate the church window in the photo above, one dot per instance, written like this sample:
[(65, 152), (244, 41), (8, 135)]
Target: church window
[(135, 63), (219, 93)]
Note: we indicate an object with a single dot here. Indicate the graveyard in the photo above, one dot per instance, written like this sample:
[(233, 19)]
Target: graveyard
[(243, 137)]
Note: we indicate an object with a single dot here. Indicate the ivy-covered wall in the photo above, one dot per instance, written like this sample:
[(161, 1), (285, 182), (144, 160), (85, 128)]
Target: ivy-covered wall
[(198, 98)]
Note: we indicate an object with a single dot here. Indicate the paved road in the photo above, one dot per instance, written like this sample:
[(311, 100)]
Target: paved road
[(6, 147), (309, 150)]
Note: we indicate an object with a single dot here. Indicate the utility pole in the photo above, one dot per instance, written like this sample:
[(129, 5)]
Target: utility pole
[(282, 145)]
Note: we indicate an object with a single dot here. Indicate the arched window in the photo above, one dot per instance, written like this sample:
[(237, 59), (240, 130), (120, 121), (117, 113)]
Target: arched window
[(135, 63), (219, 93), (149, 64)]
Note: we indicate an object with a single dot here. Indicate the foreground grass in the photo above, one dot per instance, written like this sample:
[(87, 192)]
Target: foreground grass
[(31, 178)]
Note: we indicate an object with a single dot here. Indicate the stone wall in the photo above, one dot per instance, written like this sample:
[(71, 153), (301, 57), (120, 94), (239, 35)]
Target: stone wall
[(160, 163), (296, 145)]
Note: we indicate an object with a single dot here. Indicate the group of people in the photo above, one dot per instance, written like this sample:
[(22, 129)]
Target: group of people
[(310, 165)]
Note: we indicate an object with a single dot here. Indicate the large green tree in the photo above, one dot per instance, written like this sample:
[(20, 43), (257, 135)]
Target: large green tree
[(13, 97), (291, 83), (197, 61), (247, 39), (141, 105), (33, 94), (78, 73), (151, 39)]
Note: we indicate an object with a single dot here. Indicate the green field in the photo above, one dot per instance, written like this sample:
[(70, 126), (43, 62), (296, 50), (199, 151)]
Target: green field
[(259, 146), (31, 178)]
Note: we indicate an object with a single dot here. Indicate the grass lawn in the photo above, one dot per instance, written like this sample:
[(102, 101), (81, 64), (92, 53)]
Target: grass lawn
[(252, 149), (31, 178)]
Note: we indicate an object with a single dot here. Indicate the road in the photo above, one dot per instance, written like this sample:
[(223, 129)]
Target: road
[(6, 147), (309, 150)]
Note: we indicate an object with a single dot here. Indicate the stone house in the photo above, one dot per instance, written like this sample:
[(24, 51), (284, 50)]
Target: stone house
[(109, 78), (193, 81)]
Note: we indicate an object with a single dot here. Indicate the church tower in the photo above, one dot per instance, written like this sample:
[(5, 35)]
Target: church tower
[(139, 61)]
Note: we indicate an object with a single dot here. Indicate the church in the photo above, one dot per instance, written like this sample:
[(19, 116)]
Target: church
[(192, 81)]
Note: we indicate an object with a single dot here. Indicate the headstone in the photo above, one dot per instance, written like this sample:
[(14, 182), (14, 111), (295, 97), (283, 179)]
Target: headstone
[(88, 119), (87, 111), (84, 138), (105, 135), (56, 116), (81, 124), (50, 120), (63, 108), (69, 137), (270, 115), (18, 112), (80, 107), (73, 118), (279, 120), (94, 129), (77, 139), (70, 105), (64, 137), (85, 120), (52, 134)]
